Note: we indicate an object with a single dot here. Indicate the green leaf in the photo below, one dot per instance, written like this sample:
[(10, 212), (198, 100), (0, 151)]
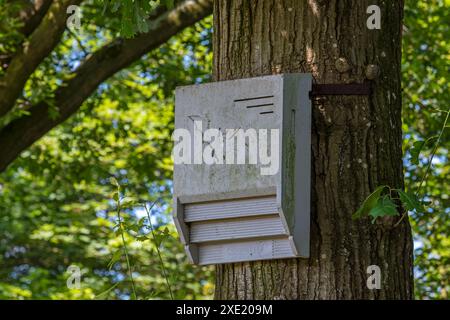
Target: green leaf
[(114, 181), (169, 4), (384, 207), (415, 151), (115, 7), (118, 232), (141, 222), (158, 238), (116, 257), (410, 201), (369, 203), (53, 110), (132, 227), (105, 6), (142, 238), (128, 202)]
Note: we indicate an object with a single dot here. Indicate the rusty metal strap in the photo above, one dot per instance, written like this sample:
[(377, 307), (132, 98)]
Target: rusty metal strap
[(352, 89)]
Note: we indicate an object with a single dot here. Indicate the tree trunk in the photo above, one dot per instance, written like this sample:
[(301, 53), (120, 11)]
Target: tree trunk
[(356, 142)]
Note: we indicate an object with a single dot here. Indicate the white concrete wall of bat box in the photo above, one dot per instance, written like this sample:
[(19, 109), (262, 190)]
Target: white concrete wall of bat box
[(248, 200)]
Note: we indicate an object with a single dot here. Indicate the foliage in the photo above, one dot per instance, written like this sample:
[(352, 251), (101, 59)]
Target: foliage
[(9, 27), (56, 206), (134, 13), (426, 56)]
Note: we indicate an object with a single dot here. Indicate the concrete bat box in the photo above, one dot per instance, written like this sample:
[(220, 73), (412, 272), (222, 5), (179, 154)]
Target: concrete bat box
[(242, 169)]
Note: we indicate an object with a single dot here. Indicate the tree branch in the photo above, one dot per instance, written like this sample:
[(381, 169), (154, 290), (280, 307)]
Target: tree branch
[(33, 15), (40, 44), (23, 132)]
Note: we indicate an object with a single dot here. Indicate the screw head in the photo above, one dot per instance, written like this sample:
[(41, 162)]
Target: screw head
[(342, 65)]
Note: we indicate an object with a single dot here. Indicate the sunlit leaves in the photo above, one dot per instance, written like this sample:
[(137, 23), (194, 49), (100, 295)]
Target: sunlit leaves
[(60, 188), (134, 13), (426, 53)]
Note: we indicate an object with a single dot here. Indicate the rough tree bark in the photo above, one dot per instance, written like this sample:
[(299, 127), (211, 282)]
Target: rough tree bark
[(356, 142)]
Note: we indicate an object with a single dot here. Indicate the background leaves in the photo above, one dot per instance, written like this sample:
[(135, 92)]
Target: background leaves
[(57, 202)]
